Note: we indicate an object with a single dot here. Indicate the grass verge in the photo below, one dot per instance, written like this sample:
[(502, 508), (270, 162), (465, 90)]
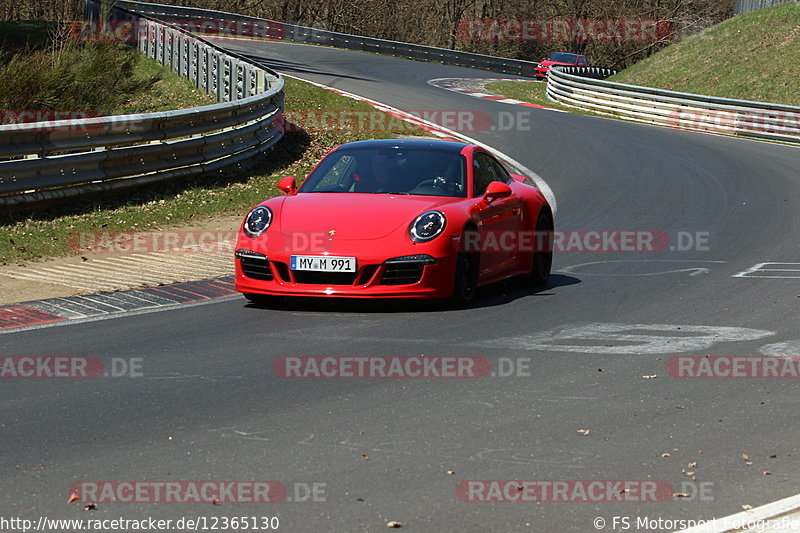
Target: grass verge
[(324, 120), (533, 92), (527, 91), (753, 56), (98, 78)]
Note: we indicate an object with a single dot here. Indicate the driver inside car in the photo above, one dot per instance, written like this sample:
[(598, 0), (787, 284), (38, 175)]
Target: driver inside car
[(378, 177)]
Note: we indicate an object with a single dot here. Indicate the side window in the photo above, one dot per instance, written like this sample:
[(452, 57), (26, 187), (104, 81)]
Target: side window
[(487, 170), (501, 174), (482, 174)]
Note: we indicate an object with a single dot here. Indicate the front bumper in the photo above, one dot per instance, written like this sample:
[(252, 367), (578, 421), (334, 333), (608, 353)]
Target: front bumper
[(268, 272)]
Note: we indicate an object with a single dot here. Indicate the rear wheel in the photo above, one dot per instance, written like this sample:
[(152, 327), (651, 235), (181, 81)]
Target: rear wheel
[(465, 288), (263, 300), (543, 255)]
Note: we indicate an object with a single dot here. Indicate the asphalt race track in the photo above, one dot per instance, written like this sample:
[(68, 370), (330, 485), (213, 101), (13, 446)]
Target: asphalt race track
[(208, 406)]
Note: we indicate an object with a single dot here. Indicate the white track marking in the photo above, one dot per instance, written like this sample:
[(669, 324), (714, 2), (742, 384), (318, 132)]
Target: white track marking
[(771, 511), (776, 270), (611, 338), (782, 349), (572, 269), (114, 316)]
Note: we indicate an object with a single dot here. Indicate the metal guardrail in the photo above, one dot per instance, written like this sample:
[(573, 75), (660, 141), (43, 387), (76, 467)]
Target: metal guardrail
[(686, 111), (303, 34), (50, 161), (744, 6)]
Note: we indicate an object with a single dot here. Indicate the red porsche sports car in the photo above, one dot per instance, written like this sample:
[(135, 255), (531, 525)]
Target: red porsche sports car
[(559, 59), (399, 219)]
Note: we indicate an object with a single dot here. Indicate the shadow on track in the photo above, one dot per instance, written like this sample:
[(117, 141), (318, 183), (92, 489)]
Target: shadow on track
[(492, 295)]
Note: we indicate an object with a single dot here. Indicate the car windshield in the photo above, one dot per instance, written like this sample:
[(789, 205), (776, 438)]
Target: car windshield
[(390, 170), (563, 57)]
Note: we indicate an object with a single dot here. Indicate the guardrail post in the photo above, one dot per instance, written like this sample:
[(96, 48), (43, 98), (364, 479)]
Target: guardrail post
[(160, 45), (174, 39), (261, 81), (194, 58), (241, 79)]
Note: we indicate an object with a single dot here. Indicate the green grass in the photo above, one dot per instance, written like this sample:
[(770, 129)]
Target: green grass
[(102, 78), (527, 91), (168, 91), (533, 92), (754, 56), (28, 236)]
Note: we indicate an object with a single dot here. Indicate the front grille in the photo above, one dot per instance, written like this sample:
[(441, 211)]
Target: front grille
[(402, 273), (256, 268), (283, 271), (324, 278), (367, 273)]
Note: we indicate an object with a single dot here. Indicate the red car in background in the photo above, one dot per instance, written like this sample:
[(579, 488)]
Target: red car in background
[(558, 59), (395, 218)]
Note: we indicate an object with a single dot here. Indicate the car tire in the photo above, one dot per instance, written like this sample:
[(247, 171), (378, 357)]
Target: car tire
[(542, 261), (263, 300), (465, 286)]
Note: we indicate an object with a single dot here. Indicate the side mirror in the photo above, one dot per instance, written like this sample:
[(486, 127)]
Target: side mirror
[(495, 190), (287, 185)]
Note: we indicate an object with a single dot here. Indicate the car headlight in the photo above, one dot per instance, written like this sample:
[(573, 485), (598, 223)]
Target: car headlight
[(257, 221), (427, 226)]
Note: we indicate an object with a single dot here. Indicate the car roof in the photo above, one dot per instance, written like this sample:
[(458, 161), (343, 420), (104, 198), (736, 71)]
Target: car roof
[(427, 144)]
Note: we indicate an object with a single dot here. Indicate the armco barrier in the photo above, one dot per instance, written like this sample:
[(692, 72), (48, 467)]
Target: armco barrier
[(48, 161), (575, 86)]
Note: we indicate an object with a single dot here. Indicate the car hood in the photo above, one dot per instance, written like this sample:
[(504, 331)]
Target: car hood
[(353, 215)]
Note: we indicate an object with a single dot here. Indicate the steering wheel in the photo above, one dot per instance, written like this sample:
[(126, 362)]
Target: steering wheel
[(433, 187)]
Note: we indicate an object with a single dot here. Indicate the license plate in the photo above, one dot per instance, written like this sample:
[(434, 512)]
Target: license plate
[(326, 263)]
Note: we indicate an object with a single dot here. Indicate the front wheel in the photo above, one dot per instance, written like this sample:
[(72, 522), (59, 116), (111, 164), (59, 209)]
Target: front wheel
[(543, 255), (465, 288)]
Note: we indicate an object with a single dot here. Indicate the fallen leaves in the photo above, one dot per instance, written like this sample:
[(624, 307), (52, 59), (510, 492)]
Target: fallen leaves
[(72, 498), (394, 524), (651, 376), (665, 454), (584, 432)]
